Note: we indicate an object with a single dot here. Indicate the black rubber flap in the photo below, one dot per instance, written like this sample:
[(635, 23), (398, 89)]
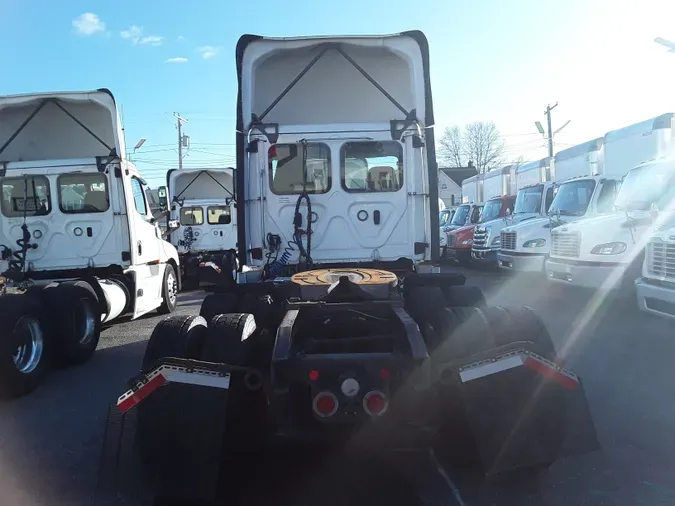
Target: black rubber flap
[(519, 420)]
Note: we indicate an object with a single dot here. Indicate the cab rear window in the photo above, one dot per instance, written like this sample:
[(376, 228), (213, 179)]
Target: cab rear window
[(371, 166), (218, 215), (191, 216), (289, 175), (25, 196), (83, 193)]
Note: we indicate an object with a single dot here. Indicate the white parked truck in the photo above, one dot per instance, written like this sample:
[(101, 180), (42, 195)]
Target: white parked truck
[(472, 189), (338, 335), (581, 188), (656, 287), (533, 198), (79, 243), (606, 252), (204, 223)]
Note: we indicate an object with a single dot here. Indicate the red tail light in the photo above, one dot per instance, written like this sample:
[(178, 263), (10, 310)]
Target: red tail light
[(325, 404), (375, 403)]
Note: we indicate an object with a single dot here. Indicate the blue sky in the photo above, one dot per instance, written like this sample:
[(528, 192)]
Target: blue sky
[(490, 60)]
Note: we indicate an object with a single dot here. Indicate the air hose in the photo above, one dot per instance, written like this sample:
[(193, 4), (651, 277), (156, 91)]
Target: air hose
[(17, 265)]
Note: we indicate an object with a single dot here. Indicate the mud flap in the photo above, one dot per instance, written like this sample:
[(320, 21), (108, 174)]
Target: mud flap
[(523, 411), (165, 437)]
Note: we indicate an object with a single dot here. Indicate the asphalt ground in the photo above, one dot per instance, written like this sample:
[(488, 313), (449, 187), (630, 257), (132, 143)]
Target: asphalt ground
[(50, 441)]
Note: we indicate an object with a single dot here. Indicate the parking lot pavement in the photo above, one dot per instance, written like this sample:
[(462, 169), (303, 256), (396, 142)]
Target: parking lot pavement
[(50, 441)]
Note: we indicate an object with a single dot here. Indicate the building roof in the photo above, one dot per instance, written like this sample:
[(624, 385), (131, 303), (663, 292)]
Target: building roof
[(459, 174)]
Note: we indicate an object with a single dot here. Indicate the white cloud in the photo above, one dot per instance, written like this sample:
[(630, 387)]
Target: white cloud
[(180, 37), (88, 24), (208, 51), (153, 40), (177, 59), (134, 34)]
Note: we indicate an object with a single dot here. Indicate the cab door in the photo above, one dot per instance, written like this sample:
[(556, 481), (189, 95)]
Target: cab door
[(145, 244)]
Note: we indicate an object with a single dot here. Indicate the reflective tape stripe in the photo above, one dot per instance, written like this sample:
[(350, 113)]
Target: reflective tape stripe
[(131, 398), (569, 382), (210, 264), (198, 379), (490, 368)]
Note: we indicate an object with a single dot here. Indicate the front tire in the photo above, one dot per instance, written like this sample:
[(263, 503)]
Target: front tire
[(24, 346), (169, 291)]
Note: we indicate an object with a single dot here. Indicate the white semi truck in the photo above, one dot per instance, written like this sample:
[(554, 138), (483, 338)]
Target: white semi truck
[(581, 188), (79, 243), (532, 182), (204, 225), (606, 252), (656, 287)]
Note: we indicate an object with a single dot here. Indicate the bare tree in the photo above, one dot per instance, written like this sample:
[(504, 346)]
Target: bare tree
[(484, 145), (451, 147)]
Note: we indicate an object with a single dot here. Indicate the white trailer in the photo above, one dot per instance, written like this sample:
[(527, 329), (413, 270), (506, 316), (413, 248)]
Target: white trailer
[(78, 240), (204, 223), (499, 182), (606, 252), (472, 190), (580, 188)]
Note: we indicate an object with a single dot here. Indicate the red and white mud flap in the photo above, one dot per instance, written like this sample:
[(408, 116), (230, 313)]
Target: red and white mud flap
[(524, 411), (211, 265)]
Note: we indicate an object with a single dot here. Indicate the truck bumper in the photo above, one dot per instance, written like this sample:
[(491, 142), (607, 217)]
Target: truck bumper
[(597, 277), (658, 299), (462, 255), (521, 262), (484, 256)]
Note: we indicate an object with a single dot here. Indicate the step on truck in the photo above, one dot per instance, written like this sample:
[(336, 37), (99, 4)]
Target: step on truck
[(583, 187), (605, 253), (79, 246), (203, 224), (339, 336)]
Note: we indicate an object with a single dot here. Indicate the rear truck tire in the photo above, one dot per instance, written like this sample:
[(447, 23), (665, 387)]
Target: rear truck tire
[(227, 340), (464, 296), (217, 303), (24, 345), (169, 291), (74, 316), (175, 336)]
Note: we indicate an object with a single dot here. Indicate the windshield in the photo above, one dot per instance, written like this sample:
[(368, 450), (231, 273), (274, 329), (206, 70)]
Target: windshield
[(645, 186), (444, 217), (491, 210), (572, 198), (460, 215), (529, 200)]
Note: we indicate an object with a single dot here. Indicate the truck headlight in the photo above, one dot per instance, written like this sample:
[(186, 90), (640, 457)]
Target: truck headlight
[(610, 248), (444, 240), (466, 242), (534, 243), (496, 241)]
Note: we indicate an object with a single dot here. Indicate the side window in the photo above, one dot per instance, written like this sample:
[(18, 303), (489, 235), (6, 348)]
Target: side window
[(139, 196), (191, 216), (549, 197), (83, 193), (607, 196), (371, 166), (287, 175), (218, 215), (29, 196)]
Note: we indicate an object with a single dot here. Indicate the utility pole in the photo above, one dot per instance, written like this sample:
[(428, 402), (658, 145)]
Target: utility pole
[(547, 112), (180, 121)]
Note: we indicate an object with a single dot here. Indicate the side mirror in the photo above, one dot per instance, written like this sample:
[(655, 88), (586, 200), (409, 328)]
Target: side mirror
[(161, 194), (173, 225), (508, 211), (160, 216), (653, 211)]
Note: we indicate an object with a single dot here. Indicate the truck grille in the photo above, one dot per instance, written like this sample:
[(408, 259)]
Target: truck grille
[(565, 245), (480, 237), (508, 240), (661, 260), (451, 240)]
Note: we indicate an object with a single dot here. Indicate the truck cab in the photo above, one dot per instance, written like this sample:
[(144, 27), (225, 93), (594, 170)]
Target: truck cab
[(606, 252), (76, 224), (202, 211)]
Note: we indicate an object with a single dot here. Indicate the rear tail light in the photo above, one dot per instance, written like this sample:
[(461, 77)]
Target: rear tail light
[(375, 403), (325, 404)]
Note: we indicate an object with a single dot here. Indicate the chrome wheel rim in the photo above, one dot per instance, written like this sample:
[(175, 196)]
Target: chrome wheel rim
[(85, 321), (172, 287), (30, 337)]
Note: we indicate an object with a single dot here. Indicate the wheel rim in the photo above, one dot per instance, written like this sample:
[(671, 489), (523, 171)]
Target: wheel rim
[(30, 344), (85, 321), (172, 287)]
